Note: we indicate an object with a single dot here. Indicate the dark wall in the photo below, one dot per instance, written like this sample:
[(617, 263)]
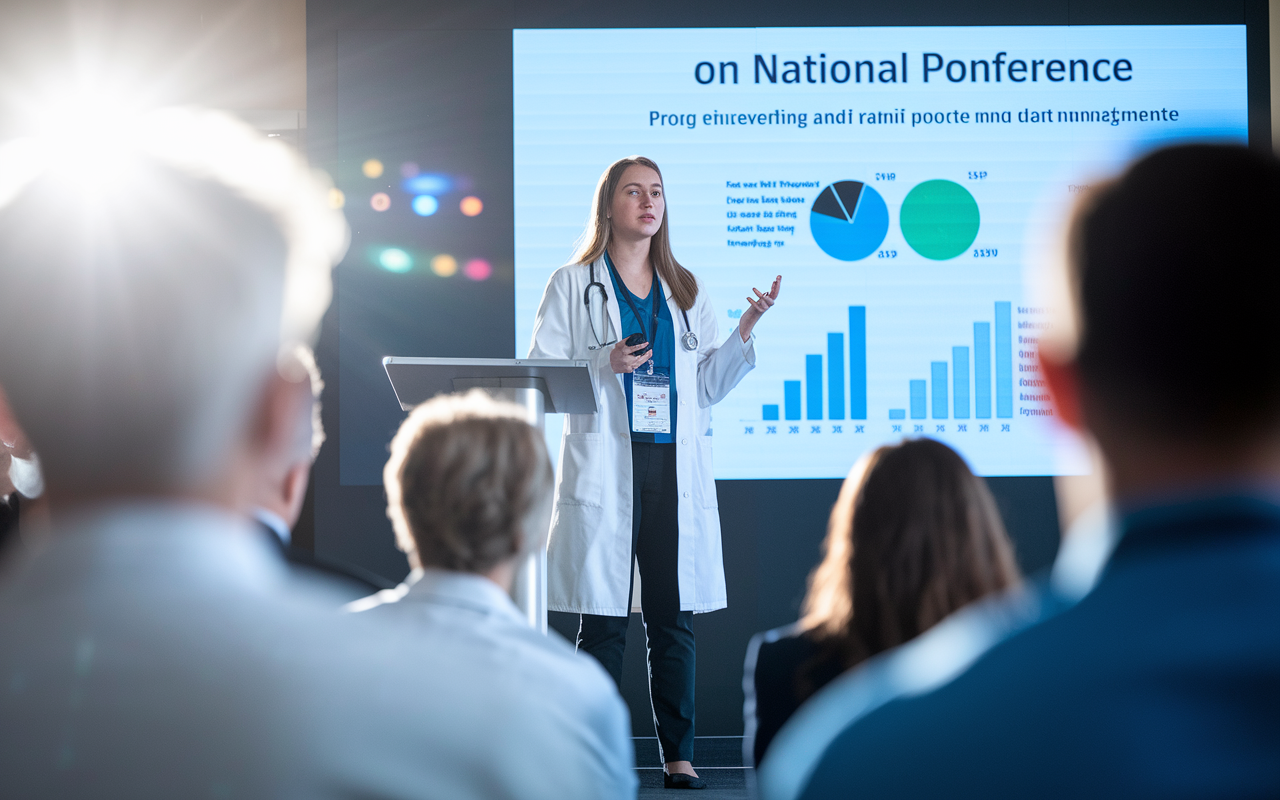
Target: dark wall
[(378, 69)]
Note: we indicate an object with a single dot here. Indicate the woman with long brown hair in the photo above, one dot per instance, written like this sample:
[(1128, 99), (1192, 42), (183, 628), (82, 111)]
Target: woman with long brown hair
[(913, 537), (635, 479)]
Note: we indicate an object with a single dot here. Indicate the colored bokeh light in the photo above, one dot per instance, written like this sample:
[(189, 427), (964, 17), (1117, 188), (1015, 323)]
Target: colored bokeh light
[(393, 259), (424, 205), (471, 206), (336, 198), (427, 183), (380, 201), (477, 269), (444, 265), (409, 169), (372, 168)]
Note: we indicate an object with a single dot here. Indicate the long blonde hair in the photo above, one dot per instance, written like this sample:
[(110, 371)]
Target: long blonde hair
[(598, 234)]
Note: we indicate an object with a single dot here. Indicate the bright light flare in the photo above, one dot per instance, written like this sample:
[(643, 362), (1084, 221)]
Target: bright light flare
[(424, 205), (444, 265), (477, 269), (427, 183), (471, 206), (102, 144), (393, 259), (84, 135)]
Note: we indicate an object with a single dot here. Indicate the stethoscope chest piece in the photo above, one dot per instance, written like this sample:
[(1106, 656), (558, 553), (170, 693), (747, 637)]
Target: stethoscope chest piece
[(689, 340)]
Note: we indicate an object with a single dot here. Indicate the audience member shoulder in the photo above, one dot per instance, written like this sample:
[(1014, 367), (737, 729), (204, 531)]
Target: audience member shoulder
[(925, 664)]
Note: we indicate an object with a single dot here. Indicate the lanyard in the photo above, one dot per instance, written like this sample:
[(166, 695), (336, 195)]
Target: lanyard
[(690, 339), (626, 294)]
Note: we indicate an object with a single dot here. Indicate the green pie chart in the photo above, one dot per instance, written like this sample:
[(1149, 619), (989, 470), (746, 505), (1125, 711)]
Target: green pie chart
[(939, 219)]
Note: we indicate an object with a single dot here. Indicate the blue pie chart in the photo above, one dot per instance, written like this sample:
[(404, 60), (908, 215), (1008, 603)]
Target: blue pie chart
[(849, 220)]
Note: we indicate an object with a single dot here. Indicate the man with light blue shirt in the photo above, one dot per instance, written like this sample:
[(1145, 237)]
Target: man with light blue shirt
[(1163, 679), (469, 487)]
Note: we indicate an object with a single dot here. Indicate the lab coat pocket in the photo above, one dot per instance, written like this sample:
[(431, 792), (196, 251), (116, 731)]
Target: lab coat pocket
[(581, 470), (705, 479)]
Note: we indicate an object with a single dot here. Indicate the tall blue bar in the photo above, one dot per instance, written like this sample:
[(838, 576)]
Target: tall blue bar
[(813, 389), (939, 375), (769, 411), (835, 376), (982, 370), (918, 404), (1004, 361), (791, 398), (960, 382), (857, 362)]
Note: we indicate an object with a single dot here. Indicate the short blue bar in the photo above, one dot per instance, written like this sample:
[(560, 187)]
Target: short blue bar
[(769, 412), (835, 376), (897, 413), (791, 398), (919, 406), (982, 370), (939, 375), (1004, 361), (813, 390), (960, 382), (857, 362)]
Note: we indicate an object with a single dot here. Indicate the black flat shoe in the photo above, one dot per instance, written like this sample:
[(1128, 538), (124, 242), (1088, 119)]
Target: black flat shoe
[(682, 781)]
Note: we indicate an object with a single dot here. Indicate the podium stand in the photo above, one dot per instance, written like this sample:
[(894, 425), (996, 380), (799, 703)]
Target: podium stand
[(539, 385)]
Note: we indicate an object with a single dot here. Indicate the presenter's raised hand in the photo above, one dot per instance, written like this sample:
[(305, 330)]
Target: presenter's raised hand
[(622, 357), (760, 304)]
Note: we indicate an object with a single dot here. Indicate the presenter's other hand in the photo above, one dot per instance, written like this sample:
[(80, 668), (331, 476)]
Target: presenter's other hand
[(760, 304), (622, 357)]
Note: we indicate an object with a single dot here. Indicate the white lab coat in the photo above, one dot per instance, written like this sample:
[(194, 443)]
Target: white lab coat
[(589, 553)]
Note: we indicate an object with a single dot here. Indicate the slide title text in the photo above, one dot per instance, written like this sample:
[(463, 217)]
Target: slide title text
[(998, 69)]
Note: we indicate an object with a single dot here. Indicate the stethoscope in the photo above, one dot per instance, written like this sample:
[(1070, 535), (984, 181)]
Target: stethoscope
[(596, 291)]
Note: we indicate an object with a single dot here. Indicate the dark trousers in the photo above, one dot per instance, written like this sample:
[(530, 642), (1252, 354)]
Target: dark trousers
[(655, 542)]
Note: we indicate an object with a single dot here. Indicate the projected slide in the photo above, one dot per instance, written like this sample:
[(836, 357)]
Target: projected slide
[(902, 180)]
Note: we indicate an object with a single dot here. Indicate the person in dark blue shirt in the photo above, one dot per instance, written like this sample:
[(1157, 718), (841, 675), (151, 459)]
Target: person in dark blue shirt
[(1164, 679)]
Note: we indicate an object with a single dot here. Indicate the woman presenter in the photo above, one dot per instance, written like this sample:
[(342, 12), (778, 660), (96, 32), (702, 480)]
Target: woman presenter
[(635, 478)]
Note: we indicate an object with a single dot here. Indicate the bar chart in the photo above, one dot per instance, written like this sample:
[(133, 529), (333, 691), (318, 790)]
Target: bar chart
[(940, 397), (805, 399)]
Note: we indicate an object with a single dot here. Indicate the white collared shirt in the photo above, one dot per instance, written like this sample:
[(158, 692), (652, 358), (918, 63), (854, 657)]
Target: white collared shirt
[(163, 650), (562, 730), (276, 523)]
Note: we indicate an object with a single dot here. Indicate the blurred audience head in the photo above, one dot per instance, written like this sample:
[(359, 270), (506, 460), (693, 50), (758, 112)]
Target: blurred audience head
[(286, 469), (469, 484), (1169, 287), (154, 270), (913, 536)]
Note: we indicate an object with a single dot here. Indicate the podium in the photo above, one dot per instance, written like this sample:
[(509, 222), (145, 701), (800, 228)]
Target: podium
[(539, 385)]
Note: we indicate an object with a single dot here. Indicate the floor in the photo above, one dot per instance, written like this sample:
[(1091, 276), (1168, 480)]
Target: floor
[(718, 760)]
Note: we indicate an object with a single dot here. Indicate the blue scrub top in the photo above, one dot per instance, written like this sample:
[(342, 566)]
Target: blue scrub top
[(664, 349)]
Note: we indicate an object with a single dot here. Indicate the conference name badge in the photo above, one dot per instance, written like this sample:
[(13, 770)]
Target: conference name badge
[(650, 403)]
